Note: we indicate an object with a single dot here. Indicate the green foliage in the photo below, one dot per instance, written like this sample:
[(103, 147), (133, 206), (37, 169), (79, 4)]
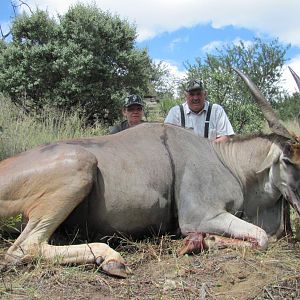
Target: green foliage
[(164, 83), (261, 61), (87, 58), (289, 107), (245, 116), (166, 104), (20, 131), (10, 225)]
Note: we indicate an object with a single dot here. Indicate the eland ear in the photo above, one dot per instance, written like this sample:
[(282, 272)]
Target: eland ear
[(271, 158)]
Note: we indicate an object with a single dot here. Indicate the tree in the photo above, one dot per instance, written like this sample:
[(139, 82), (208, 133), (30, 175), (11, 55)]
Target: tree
[(289, 107), (261, 61), (85, 59), (164, 82)]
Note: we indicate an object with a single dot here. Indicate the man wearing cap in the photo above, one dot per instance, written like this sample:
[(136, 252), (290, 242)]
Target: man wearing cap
[(206, 119), (133, 113)]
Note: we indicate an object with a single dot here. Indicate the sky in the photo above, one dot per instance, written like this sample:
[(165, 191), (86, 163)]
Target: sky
[(179, 31)]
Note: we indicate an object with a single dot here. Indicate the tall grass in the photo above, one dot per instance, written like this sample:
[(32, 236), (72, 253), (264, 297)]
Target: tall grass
[(293, 126), (20, 131)]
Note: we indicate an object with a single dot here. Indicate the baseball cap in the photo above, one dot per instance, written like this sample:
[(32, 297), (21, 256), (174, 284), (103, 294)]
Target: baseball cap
[(193, 85), (133, 100)]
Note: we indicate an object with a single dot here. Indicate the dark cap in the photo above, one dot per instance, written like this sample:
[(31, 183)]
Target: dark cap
[(194, 85), (133, 100)]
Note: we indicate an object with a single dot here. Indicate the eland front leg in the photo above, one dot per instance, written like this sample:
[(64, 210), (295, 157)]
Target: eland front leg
[(47, 186), (223, 230)]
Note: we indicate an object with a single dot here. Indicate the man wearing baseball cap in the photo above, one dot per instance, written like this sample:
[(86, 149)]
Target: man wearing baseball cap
[(206, 119), (133, 112)]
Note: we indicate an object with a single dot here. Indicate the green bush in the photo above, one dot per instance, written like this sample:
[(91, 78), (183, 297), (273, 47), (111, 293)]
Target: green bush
[(86, 58), (166, 104), (289, 108)]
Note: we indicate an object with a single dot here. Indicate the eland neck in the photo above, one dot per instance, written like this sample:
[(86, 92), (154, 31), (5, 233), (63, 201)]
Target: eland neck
[(243, 157)]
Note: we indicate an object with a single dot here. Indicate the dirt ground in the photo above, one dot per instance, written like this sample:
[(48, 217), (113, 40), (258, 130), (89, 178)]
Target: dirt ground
[(159, 273)]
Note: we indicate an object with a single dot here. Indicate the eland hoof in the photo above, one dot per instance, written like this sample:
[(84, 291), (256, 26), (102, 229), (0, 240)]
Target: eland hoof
[(114, 268), (193, 243)]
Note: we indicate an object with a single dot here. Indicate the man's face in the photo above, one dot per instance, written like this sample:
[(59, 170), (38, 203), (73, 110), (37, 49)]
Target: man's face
[(133, 114), (195, 100)]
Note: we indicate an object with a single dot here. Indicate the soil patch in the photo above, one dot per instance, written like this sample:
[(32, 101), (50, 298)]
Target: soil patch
[(159, 273)]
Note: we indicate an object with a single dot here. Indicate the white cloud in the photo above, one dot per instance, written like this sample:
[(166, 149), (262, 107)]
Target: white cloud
[(145, 34), (177, 41), (174, 43), (174, 77), (172, 67), (238, 41), (274, 17), (212, 46), (174, 70)]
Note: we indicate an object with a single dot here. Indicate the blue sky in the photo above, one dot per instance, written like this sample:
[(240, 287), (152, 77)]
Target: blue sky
[(187, 43), (176, 31)]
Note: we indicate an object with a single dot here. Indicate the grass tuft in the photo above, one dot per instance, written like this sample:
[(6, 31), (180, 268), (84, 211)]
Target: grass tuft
[(20, 131)]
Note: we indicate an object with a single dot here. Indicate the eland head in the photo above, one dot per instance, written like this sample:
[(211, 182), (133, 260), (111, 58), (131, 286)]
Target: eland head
[(284, 160)]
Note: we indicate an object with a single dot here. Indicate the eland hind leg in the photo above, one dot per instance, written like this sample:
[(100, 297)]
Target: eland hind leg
[(50, 195)]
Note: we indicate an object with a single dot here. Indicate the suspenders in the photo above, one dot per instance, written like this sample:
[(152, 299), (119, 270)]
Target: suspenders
[(206, 126), (182, 118)]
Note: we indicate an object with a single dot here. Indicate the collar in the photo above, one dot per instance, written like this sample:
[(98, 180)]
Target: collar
[(189, 111)]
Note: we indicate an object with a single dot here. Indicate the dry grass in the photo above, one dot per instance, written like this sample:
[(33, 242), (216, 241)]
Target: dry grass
[(20, 131), (291, 125), (159, 273)]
